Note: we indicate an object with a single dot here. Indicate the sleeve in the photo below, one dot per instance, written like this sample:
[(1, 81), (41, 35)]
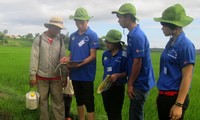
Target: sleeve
[(34, 60), (138, 47), (63, 50), (124, 61), (63, 54), (187, 55), (94, 44)]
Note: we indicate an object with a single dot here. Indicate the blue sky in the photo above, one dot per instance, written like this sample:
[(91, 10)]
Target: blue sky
[(21, 17)]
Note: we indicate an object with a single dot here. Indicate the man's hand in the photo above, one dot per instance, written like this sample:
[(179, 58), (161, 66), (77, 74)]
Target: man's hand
[(73, 65), (175, 112), (65, 83), (130, 91), (33, 83), (64, 60), (113, 77)]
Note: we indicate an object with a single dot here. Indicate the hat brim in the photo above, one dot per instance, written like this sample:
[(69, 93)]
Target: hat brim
[(71, 17), (181, 23), (115, 12), (47, 25), (122, 13), (110, 40)]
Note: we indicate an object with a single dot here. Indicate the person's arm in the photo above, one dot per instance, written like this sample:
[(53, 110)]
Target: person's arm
[(65, 59), (86, 60), (137, 63), (34, 61), (62, 56), (176, 110), (116, 76), (62, 49), (90, 58)]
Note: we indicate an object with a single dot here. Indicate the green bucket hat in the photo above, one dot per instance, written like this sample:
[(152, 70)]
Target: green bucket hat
[(125, 9), (113, 36), (80, 14), (175, 15)]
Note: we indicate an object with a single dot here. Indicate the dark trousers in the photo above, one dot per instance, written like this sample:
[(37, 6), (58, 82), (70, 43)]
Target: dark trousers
[(113, 100), (84, 93), (165, 103), (67, 101)]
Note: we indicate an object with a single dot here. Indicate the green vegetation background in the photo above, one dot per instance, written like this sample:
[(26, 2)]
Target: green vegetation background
[(14, 78)]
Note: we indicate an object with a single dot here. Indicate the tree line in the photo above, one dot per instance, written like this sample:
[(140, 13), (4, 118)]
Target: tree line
[(4, 38)]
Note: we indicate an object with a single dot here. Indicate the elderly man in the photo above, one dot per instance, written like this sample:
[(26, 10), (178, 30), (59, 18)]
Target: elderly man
[(47, 50)]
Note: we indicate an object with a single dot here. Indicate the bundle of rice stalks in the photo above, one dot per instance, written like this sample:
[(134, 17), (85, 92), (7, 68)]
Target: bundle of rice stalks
[(105, 84)]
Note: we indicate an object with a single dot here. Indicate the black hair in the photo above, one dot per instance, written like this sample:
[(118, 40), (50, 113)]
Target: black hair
[(132, 17), (170, 25), (119, 45)]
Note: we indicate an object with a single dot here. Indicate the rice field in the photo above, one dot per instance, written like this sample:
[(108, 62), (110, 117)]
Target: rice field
[(14, 78)]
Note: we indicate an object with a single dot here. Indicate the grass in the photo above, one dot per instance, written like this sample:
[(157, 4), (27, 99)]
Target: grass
[(14, 78)]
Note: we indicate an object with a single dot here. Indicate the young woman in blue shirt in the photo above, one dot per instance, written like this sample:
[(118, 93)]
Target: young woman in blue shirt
[(114, 61), (176, 65)]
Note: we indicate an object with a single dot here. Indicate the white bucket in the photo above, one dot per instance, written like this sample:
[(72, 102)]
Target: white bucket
[(32, 100)]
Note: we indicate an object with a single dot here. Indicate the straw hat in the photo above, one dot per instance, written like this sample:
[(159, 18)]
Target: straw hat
[(56, 21), (80, 14), (175, 15)]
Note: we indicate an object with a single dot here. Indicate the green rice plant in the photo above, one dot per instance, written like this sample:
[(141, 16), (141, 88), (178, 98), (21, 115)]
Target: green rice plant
[(14, 84)]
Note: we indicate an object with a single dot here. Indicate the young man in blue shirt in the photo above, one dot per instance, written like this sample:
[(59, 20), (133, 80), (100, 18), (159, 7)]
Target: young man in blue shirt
[(83, 45), (140, 71)]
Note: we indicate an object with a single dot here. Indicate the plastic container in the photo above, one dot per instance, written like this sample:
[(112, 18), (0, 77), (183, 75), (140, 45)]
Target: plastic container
[(32, 100)]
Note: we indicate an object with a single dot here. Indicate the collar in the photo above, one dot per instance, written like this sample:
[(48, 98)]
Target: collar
[(132, 32), (117, 54), (45, 37), (177, 41), (86, 32)]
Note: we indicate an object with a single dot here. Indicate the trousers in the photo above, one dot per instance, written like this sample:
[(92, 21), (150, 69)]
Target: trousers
[(51, 90), (113, 100), (165, 103)]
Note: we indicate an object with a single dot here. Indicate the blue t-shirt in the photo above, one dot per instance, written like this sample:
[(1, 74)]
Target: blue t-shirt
[(79, 47), (115, 64), (173, 59), (138, 47)]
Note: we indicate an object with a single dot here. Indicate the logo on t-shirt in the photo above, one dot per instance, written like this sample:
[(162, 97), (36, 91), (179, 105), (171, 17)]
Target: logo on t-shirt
[(185, 62), (95, 43), (86, 38), (172, 54), (137, 51), (73, 38)]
